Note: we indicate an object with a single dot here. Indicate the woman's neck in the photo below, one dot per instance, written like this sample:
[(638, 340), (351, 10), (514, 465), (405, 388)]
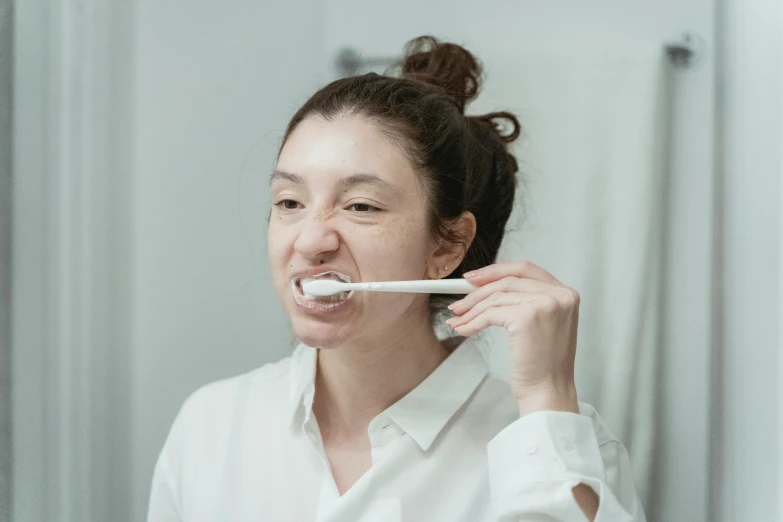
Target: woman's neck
[(356, 382)]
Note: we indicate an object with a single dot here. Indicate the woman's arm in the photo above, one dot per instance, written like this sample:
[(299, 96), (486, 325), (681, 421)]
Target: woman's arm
[(549, 462), (587, 499), (563, 466)]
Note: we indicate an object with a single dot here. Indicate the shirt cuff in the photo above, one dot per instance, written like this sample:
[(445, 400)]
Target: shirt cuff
[(544, 446)]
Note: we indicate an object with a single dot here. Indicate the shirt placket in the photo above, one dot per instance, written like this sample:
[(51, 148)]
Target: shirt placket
[(328, 495)]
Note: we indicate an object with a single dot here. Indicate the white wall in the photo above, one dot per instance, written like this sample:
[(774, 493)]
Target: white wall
[(215, 83), (748, 484), (495, 32)]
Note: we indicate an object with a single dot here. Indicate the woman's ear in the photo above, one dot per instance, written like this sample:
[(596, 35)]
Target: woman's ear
[(451, 250)]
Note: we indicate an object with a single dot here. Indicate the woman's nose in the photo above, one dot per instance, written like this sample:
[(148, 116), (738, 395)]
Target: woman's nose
[(317, 237)]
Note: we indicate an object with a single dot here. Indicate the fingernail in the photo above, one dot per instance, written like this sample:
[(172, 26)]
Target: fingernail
[(454, 305), (472, 273)]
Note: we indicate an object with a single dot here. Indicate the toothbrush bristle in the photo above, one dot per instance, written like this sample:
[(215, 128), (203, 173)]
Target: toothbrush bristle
[(322, 287)]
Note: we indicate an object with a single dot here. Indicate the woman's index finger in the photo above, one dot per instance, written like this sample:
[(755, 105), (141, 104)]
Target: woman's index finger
[(494, 272)]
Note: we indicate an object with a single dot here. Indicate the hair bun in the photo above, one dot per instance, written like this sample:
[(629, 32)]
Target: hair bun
[(445, 65), (506, 133)]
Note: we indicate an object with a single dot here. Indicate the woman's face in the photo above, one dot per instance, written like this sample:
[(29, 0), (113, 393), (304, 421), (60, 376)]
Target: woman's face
[(347, 204)]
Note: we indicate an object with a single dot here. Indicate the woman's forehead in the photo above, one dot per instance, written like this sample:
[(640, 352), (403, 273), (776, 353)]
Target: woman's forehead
[(321, 150)]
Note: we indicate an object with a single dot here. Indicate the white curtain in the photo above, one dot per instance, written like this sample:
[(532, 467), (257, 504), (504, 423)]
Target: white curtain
[(594, 158)]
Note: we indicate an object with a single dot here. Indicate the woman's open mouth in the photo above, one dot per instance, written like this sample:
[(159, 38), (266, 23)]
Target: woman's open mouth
[(320, 303)]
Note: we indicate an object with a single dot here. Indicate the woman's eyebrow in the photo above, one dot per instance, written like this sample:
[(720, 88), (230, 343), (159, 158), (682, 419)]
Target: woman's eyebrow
[(344, 183), (281, 175), (369, 179)]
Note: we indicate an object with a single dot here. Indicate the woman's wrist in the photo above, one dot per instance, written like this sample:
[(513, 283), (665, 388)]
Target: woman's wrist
[(548, 398)]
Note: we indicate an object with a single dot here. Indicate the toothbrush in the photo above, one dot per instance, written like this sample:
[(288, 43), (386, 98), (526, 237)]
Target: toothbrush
[(324, 287)]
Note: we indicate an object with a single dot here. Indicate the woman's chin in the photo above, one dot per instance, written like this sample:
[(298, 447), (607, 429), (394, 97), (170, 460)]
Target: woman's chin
[(323, 325), (318, 334)]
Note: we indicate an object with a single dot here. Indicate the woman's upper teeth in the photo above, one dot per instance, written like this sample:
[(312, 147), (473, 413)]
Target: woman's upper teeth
[(326, 275)]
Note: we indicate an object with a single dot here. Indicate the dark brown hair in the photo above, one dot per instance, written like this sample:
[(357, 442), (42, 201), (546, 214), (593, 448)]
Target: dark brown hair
[(463, 160)]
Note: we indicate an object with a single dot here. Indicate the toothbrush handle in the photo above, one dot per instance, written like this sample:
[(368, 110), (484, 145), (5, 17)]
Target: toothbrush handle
[(436, 286)]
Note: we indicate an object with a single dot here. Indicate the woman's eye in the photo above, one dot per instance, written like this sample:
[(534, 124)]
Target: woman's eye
[(288, 204), (363, 208)]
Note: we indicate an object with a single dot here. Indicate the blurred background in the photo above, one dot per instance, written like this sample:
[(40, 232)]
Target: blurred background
[(136, 140)]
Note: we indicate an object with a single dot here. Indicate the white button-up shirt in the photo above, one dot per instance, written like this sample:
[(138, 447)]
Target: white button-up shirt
[(454, 449)]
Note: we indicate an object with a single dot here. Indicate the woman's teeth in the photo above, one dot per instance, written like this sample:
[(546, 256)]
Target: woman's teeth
[(309, 300)]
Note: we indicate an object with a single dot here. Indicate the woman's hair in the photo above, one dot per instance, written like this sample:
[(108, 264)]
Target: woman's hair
[(463, 161)]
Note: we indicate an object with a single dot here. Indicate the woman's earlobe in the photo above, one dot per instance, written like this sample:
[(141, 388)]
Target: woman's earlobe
[(443, 272), (436, 269)]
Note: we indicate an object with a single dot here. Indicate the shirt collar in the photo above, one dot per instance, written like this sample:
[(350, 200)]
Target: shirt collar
[(426, 409)]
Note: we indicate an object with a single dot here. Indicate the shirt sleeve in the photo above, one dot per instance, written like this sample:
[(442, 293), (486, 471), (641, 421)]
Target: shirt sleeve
[(165, 501), (164, 505), (536, 461)]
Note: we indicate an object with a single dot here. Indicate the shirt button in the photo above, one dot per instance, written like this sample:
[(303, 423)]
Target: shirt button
[(379, 424), (566, 444), (532, 447)]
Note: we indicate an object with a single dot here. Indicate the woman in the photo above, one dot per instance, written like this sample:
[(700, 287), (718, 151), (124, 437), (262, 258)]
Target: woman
[(373, 418)]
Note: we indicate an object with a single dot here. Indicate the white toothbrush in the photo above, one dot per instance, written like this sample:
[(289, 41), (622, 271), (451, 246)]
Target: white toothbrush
[(324, 287)]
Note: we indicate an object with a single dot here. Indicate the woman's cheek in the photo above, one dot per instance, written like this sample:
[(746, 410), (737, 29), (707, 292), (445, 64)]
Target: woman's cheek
[(280, 249), (396, 252)]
